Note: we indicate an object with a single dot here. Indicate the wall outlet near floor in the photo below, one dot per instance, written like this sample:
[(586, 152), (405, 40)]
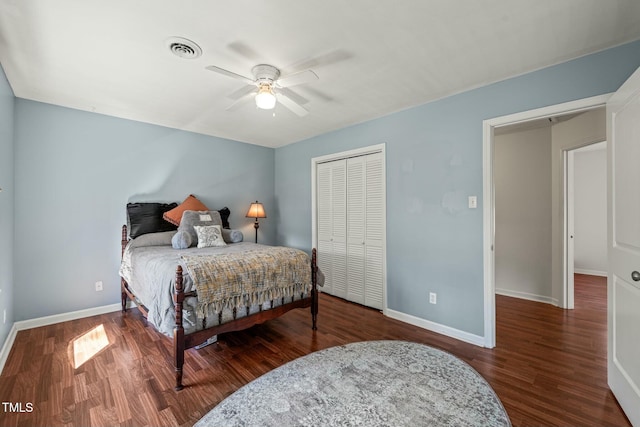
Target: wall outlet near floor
[(433, 298), (99, 286)]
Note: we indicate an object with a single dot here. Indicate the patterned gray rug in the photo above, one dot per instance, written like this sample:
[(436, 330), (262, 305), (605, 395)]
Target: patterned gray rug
[(375, 383)]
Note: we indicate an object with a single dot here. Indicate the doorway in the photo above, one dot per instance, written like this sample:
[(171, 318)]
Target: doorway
[(559, 274), (585, 204)]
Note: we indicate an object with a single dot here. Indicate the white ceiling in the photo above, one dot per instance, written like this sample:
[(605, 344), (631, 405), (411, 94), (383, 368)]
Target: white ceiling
[(372, 57)]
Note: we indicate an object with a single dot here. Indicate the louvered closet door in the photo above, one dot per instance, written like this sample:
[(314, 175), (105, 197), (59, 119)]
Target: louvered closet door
[(324, 220), (356, 229), (350, 210), (365, 222), (374, 231), (331, 211)]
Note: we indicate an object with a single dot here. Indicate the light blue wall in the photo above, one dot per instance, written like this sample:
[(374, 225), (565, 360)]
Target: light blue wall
[(74, 173), (434, 158), (6, 205)]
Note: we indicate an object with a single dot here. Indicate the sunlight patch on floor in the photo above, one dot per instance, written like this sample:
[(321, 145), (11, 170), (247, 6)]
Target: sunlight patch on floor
[(88, 345)]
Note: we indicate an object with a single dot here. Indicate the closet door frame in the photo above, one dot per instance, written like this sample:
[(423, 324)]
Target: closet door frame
[(372, 149)]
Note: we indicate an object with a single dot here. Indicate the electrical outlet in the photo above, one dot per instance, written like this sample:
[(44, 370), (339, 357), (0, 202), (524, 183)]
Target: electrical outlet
[(98, 286), (4, 316), (432, 297)]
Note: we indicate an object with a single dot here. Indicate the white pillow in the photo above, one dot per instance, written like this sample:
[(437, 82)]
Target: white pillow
[(209, 235)]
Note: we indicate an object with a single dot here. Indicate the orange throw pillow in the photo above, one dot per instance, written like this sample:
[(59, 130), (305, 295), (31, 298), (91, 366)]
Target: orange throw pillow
[(191, 203)]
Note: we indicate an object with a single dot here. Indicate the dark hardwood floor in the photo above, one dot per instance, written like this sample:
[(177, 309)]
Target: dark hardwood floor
[(549, 366)]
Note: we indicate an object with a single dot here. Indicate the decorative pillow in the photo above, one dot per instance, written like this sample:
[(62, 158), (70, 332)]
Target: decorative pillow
[(209, 235), (143, 218), (191, 218), (181, 240), (224, 215), (232, 236), (153, 239), (191, 203)]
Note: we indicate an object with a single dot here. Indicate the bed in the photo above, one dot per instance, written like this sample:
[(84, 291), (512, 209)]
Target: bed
[(193, 293)]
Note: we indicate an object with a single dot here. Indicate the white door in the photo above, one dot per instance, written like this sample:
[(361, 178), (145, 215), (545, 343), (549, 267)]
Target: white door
[(339, 227), (356, 217), (374, 235), (331, 207), (325, 224), (350, 221), (365, 230), (623, 205)]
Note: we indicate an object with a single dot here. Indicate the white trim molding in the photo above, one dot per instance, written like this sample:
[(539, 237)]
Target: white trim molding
[(23, 325), (590, 272), (65, 317), (436, 327), (6, 347), (526, 295)]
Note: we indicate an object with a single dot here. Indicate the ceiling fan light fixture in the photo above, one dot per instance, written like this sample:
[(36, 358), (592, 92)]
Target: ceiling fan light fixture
[(265, 99)]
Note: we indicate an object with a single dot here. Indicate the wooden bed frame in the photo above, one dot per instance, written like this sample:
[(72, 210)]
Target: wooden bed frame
[(182, 341)]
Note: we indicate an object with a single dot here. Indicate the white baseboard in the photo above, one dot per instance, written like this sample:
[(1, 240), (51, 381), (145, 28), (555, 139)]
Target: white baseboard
[(527, 296), (50, 320), (65, 317), (590, 272), (436, 327), (6, 347)]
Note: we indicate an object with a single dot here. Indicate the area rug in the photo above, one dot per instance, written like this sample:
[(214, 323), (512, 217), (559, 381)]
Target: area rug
[(374, 383)]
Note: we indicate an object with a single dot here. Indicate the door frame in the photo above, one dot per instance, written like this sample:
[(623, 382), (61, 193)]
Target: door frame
[(488, 128), (363, 151), (568, 217)]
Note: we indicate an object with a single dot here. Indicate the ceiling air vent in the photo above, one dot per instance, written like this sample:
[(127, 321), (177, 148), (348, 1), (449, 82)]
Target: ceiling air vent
[(184, 48)]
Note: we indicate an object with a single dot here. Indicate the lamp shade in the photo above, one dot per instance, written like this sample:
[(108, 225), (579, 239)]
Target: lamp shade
[(256, 210)]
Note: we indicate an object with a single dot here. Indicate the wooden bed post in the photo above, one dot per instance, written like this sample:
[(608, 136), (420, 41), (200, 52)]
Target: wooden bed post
[(123, 242), (178, 331), (314, 289)]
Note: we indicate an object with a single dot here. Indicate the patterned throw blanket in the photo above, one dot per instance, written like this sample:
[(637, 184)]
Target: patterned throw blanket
[(234, 280)]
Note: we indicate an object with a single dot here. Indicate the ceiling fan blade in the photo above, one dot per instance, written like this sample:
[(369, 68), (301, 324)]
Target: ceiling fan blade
[(241, 101), (291, 105), (298, 99), (229, 74), (242, 92), (301, 77)]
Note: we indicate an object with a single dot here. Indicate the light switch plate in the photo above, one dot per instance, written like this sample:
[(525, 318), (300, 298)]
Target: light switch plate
[(473, 202)]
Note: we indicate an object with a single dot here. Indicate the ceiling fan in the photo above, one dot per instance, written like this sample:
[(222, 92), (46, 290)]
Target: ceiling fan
[(268, 86)]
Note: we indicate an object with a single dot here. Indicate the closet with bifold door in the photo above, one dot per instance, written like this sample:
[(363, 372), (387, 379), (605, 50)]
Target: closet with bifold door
[(350, 209)]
